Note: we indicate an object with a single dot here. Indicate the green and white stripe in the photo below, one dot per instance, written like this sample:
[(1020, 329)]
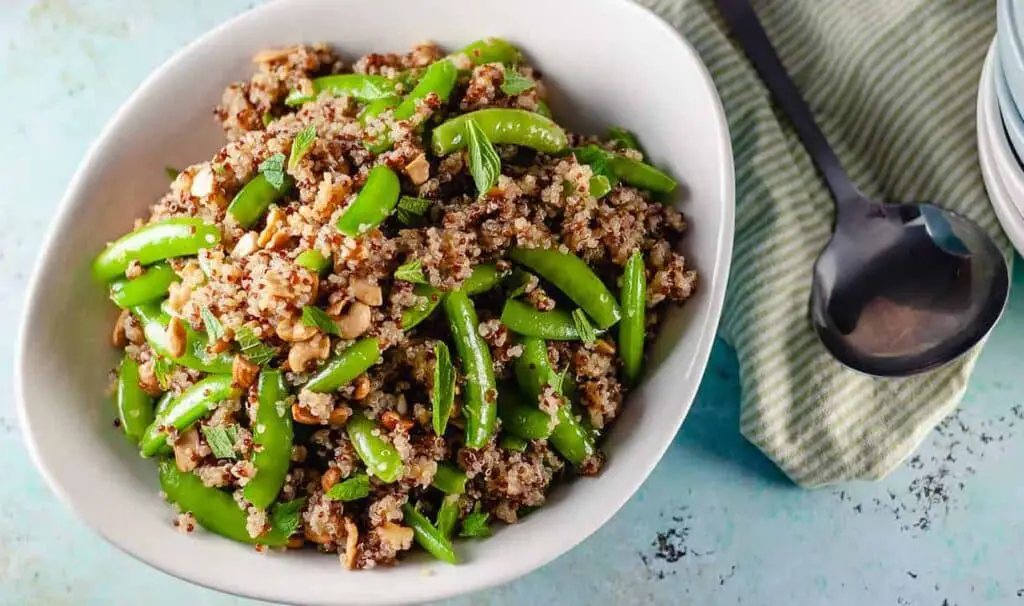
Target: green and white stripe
[(893, 85)]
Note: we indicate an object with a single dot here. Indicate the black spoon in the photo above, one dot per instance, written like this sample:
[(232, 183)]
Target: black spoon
[(900, 288)]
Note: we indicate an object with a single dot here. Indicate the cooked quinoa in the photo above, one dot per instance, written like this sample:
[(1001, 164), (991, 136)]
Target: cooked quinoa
[(249, 283)]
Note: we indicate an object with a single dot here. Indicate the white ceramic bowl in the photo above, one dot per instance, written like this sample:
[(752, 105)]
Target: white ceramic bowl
[(623, 67)]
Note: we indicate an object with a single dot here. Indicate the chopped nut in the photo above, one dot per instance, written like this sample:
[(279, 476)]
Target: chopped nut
[(292, 330), (202, 183), (176, 337), (275, 221), (418, 170), (295, 543), (362, 387), (187, 450), (178, 295), (351, 543), (330, 478), (243, 372), (301, 354), (396, 535), (273, 54), (245, 246), (356, 320), (604, 347), (119, 338), (367, 293), (301, 415), (339, 415), (134, 270), (148, 381), (220, 346), (391, 420)]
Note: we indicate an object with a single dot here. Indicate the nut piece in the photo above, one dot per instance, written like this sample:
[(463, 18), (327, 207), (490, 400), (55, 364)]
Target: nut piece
[(245, 246), (418, 170), (605, 347), (119, 338), (330, 478), (351, 543), (390, 420), (301, 354), (275, 221), (178, 295), (396, 535), (243, 372), (295, 543), (292, 330), (187, 450), (176, 337), (301, 415), (148, 381), (356, 320), (339, 416), (367, 293), (273, 54), (202, 183), (362, 387)]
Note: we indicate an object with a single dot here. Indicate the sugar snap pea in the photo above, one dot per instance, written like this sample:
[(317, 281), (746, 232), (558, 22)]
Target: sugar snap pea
[(511, 126), (175, 237), (193, 404), (525, 319), (373, 204), (492, 50), (515, 443), (574, 278), (361, 87), (214, 510), (154, 325), (272, 435), (150, 286), (521, 419), (438, 79), (449, 479), (631, 171), (314, 261), (375, 108), (634, 306), (381, 459), (249, 204), (480, 396), (134, 406), (484, 278), (427, 536), (346, 366)]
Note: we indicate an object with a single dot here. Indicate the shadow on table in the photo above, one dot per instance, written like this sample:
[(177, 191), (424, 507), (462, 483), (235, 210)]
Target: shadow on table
[(712, 429)]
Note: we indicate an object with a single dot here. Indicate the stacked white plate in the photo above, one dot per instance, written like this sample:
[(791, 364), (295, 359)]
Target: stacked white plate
[(1000, 121)]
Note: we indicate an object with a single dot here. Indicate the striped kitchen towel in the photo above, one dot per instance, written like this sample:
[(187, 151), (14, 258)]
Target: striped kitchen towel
[(893, 84)]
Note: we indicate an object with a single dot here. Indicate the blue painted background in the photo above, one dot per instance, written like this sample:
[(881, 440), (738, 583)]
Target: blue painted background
[(714, 524)]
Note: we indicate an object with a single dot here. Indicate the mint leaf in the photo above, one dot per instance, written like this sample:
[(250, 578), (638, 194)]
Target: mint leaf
[(162, 369), (314, 316), (411, 272), (171, 172), (273, 170), (443, 395), (515, 83), (583, 326), (214, 329), (219, 440), (300, 146), (448, 515), (253, 349), (411, 210), (475, 525), (623, 138), (484, 163), (356, 487), (285, 517)]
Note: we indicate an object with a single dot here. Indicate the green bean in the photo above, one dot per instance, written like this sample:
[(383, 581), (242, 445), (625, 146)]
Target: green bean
[(154, 325), (176, 237), (510, 126), (253, 200), (524, 319), (373, 204), (521, 419), (572, 276), (214, 510), (361, 87), (272, 435), (479, 398), (134, 406), (193, 404), (533, 372), (346, 366), (428, 537), (314, 261), (484, 278), (492, 50), (439, 79), (634, 306), (381, 459), (150, 286), (448, 515), (449, 479)]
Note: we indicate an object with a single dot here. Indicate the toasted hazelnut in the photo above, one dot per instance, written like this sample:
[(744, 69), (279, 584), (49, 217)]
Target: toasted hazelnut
[(351, 543), (295, 543), (243, 372), (178, 295), (605, 347), (202, 183), (186, 450), (418, 170), (301, 354), (339, 416), (148, 381), (362, 387), (176, 337), (273, 54), (355, 321), (245, 246), (367, 293), (330, 478), (275, 222), (119, 337), (396, 535), (292, 330), (301, 415)]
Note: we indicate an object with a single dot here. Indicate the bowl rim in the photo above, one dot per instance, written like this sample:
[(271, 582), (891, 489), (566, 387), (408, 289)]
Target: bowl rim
[(707, 328)]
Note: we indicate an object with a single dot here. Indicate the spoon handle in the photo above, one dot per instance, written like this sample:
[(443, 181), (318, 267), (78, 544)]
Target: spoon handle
[(747, 30)]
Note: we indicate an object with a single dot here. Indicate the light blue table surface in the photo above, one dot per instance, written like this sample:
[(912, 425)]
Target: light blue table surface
[(715, 523)]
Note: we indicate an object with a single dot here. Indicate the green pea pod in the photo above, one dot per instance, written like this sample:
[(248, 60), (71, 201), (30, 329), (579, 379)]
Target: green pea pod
[(428, 537), (533, 372), (600, 186), (439, 79), (514, 443), (509, 126), (346, 366), (150, 286), (525, 319), (162, 404), (361, 87), (373, 204), (631, 171), (134, 406), (193, 404), (375, 108), (154, 324), (449, 479), (480, 395), (272, 434), (176, 237), (314, 261), (381, 459), (572, 276), (634, 306), (484, 278), (521, 419), (253, 200), (492, 50), (544, 110), (448, 515), (215, 510)]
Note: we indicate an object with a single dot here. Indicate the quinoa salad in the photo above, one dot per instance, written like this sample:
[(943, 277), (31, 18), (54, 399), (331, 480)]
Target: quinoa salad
[(397, 307)]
